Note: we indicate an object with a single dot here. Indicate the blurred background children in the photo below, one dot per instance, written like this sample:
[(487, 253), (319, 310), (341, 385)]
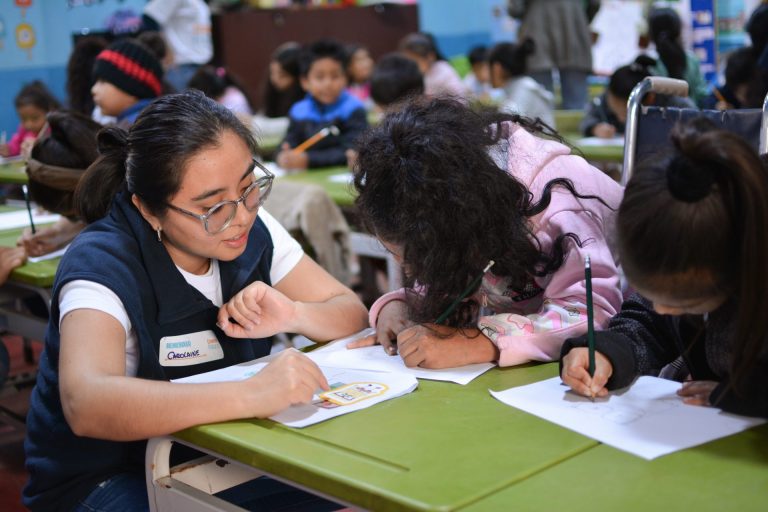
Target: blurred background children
[(359, 69), (665, 30), (327, 104), (740, 73), (607, 114), (217, 83), (283, 86), (123, 90), (395, 77), (439, 76), (33, 102), (522, 94)]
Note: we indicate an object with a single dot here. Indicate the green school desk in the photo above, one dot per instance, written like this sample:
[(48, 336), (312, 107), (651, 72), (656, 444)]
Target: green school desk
[(442, 447), (596, 153), (332, 179), (726, 474), (13, 173)]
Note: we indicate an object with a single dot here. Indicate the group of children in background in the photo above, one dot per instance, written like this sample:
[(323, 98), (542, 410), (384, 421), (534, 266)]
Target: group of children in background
[(460, 179)]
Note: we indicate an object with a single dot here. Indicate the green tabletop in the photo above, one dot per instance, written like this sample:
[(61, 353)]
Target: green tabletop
[(13, 173), (40, 273), (331, 179), (442, 447), (726, 474), (596, 153)]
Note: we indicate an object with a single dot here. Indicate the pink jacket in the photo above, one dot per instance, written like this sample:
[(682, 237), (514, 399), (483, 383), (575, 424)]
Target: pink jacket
[(534, 328), (14, 145), (442, 79)]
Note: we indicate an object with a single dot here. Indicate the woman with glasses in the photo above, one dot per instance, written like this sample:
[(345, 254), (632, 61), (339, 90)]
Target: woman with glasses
[(179, 272)]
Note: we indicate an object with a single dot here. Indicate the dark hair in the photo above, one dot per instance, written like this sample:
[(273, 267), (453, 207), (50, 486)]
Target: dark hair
[(71, 144), (477, 55), (322, 49), (155, 41), (740, 67), (664, 29), (213, 82), (277, 103), (624, 79), (422, 44), (703, 208), (149, 159), (512, 57), (394, 78), (36, 94), (757, 27), (426, 180), (80, 73)]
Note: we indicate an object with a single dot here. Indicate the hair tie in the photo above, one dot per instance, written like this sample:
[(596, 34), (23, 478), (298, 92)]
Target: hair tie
[(221, 72), (689, 181)]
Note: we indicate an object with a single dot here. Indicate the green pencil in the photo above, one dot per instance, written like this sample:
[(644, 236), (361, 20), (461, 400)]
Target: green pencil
[(590, 317), (466, 292)]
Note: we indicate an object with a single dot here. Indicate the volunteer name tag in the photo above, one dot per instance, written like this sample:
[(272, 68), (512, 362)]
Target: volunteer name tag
[(188, 349)]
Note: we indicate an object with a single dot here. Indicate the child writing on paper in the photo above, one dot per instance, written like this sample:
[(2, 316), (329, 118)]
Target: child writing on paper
[(327, 104), (179, 272), (607, 114), (57, 162), (692, 242), (447, 189), (32, 103)]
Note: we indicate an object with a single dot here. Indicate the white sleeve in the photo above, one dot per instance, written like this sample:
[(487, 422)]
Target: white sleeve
[(161, 10), (287, 251), (82, 294)]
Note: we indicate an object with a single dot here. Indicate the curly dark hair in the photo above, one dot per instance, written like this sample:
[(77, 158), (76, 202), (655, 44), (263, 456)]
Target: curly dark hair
[(427, 181)]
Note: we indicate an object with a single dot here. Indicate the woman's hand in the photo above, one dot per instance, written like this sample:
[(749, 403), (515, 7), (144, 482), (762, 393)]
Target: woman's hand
[(696, 392), (437, 346), (576, 372), (258, 311), (291, 378), (290, 160), (392, 320)]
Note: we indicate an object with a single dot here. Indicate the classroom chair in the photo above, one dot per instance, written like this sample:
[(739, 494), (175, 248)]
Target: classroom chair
[(648, 128)]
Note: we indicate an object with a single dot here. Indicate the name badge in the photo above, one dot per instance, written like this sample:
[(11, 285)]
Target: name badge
[(188, 349)]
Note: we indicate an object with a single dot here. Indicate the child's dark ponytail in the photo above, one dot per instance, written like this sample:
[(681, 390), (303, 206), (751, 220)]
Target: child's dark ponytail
[(512, 57), (665, 28), (105, 177), (704, 211)]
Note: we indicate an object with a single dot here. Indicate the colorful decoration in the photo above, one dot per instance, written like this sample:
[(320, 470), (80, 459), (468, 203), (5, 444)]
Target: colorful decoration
[(25, 38), (2, 33)]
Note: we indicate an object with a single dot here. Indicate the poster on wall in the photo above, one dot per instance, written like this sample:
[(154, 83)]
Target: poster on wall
[(703, 37)]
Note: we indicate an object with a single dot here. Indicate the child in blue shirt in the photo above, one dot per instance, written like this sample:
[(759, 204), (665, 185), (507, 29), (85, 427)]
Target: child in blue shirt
[(327, 103)]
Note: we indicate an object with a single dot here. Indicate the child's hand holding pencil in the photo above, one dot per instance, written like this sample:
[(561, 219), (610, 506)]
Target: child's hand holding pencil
[(575, 373)]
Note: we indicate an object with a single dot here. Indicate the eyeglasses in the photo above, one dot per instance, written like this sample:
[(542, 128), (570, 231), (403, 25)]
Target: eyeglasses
[(219, 216)]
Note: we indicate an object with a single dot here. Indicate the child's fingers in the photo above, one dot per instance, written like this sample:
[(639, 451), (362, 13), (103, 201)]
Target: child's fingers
[(368, 341), (578, 379), (384, 338)]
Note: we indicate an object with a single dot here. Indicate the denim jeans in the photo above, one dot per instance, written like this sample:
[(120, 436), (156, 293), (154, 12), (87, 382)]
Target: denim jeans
[(127, 492), (573, 86)]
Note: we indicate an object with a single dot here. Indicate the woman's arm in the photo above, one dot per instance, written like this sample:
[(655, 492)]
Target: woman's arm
[(100, 401), (308, 301)]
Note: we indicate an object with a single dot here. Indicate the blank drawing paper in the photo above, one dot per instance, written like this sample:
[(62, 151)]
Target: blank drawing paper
[(647, 419)]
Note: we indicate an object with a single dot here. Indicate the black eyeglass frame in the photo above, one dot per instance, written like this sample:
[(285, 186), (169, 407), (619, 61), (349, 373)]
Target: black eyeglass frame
[(264, 184)]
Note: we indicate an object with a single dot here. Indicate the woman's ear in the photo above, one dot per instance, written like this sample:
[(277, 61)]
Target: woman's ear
[(153, 221)]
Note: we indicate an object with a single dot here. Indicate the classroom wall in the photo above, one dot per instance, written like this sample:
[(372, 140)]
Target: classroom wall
[(36, 40)]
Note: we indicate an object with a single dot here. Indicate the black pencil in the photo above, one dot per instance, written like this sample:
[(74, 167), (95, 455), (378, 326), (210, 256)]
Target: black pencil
[(29, 208)]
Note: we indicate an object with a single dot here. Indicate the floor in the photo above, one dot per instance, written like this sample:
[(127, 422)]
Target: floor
[(15, 398)]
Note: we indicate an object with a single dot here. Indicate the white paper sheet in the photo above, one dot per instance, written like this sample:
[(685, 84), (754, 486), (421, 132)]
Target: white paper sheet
[(374, 358), (355, 390), (647, 419), (20, 219), (345, 178), (49, 256)]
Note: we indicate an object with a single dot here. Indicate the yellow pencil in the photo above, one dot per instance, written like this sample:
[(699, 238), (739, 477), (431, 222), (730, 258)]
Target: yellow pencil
[(328, 130)]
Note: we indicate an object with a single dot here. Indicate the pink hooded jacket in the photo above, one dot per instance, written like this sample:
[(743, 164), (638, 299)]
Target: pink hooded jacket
[(532, 325)]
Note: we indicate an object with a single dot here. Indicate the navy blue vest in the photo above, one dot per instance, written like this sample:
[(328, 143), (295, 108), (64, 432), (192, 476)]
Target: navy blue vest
[(122, 253)]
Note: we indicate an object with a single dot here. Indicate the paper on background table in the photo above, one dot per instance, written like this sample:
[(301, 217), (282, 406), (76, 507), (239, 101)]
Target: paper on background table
[(374, 358), (647, 419), (20, 219), (341, 178), (599, 141), (308, 414)]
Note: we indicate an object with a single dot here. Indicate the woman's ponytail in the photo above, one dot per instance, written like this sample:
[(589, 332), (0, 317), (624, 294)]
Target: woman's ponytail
[(105, 177)]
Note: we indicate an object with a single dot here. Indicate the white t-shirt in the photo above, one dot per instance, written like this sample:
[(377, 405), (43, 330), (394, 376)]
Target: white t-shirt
[(82, 294), (186, 25)]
